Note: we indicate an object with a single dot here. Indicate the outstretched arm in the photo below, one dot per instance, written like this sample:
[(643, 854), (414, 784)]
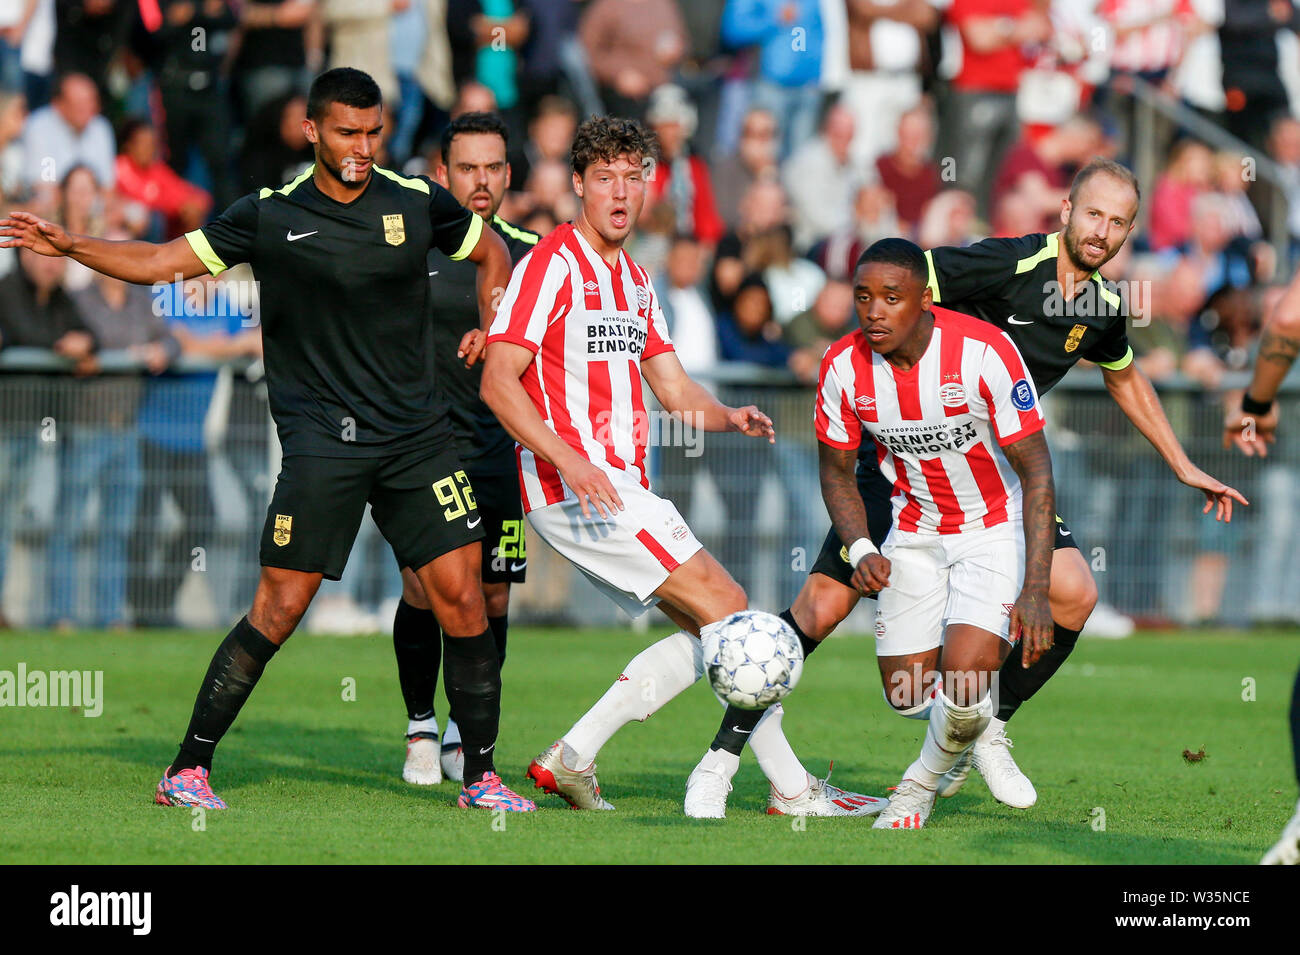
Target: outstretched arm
[(1031, 617), (1132, 391), (142, 263), (682, 395)]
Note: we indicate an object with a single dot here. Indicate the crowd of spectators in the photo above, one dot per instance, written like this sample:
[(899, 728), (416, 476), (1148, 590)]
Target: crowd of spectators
[(793, 134)]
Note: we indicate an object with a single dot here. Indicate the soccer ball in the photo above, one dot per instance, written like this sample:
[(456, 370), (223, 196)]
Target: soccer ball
[(755, 661)]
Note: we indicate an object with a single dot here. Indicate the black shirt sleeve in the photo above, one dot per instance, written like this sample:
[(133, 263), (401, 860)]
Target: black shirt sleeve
[(455, 228), (958, 274), (1112, 346), (228, 239)]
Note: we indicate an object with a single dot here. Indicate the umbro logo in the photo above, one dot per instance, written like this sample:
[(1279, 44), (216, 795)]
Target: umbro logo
[(1007, 608), (866, 402), (301, 235), (591, 286)]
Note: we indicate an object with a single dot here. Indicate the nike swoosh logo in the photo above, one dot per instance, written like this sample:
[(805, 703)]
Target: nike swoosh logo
[(434, 272), (484, 752), (1012, 319), (202, 740), (737, 729), (1064, 532), (294, 238), (515, 568), (474, 523)]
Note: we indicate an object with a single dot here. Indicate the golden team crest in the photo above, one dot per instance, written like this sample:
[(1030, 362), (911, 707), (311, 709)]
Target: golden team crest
[(394, 229), (1076, 334), (283, 529)]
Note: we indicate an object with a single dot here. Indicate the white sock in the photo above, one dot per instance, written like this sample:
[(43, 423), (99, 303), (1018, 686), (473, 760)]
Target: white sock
[(775, 756), (652, 678), (452, 736), (952, 729), (995, 727), (729, 761), (422, 726)]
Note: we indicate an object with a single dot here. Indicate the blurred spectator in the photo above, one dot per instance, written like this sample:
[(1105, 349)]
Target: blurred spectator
[(408, 33), (1188, 173), (820, 179), (680, 176), (750, 333), (100, 450), (473, 97), (1019, 213), (13, 114), (173, 452), (886, 52), (550, 134), (1040, 167), (789, 72), (89, 33), (1199, 77), (1231, 180), (82, 210), (873, 218), (550, 187), (276, 149), (357, 35), (69, 132), (755, 158), (1253, 88), (979, 118), (553, 28), (1221, 261), (194, 94), (810, 333), (146, 179), (633, 46), (542, 221), (1284, 149), (792, 282), (1221, 337), (279, 46), (762, 209), (35, 42), (908, 172), (1158, 333), (1149, 36), (690, 319), (949, 219)]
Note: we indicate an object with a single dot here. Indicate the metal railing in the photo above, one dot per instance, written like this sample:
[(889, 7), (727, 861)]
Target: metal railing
[(129, 499)]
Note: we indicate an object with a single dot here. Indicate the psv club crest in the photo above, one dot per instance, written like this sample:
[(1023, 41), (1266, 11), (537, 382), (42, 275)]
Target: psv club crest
[(1076, 335), (394, 229), (283, 529)]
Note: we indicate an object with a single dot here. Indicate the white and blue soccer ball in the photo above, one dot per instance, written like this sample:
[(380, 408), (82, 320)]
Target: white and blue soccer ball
[(753, 660)]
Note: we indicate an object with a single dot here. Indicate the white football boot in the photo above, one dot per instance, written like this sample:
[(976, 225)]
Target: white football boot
[(422, 764), (1287, 849), (707, 787), (991, 755), (577, 787), (820, 798), (910, 805), (453, 763)]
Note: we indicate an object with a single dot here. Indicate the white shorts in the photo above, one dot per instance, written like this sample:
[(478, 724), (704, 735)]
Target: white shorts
[(939, 579), (627, 556)]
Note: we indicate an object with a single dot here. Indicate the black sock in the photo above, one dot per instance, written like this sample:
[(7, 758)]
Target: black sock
[(737, 724), (1016, 684), (419, 654), (234, 671), (500, 627), (472, 678), (1295, 725)]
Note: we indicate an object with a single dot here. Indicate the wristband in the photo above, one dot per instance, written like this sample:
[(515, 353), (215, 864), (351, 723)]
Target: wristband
[(1250, 406), (862, 547)]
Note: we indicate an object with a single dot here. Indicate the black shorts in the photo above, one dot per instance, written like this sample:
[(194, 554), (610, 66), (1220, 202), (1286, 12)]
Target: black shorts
[(421, 500), (833, 559), (505, 556)]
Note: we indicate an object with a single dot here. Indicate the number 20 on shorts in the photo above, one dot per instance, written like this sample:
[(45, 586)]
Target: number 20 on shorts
[(455, 494)]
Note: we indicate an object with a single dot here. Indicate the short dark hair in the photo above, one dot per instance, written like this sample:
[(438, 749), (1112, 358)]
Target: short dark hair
[(473, 123), (1111, 168), (342, 85), (900, 252), (605, 138)]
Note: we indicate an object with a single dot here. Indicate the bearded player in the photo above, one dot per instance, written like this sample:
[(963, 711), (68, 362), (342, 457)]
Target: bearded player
[(1047, 294), (579, 330), (474, 170), (963, 574)]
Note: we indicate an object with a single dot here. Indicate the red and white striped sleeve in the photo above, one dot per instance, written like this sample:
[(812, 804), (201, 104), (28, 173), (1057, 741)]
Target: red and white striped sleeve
[(657, 340), (539, 291), (1008, 391), (837, 424)]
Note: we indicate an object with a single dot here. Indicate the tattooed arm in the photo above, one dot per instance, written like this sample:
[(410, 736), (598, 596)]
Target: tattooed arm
[(849, 514), (1251, 432), (1031, 617)]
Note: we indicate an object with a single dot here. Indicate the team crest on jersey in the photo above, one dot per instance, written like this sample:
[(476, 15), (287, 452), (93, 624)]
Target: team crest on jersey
[(880, 627), (952, 395), (642, 298), (283, 529), (394, 229), (1022, 396), (1076, 335), (844, 554)]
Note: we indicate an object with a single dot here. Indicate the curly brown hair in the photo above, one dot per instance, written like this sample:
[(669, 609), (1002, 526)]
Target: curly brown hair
[(605, 138)]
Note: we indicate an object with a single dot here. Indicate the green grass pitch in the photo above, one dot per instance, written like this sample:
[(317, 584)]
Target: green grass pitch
[(314, 778)]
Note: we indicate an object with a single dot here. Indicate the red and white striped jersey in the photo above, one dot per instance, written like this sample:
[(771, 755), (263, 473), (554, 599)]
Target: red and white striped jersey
[(937, 427), (589, 326)]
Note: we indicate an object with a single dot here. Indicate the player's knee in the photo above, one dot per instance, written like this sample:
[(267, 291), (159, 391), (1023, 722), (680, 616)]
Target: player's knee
[(277, 612), (413, 593), (465, 613), (1073, 597), (821, 607), (496, 598)]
